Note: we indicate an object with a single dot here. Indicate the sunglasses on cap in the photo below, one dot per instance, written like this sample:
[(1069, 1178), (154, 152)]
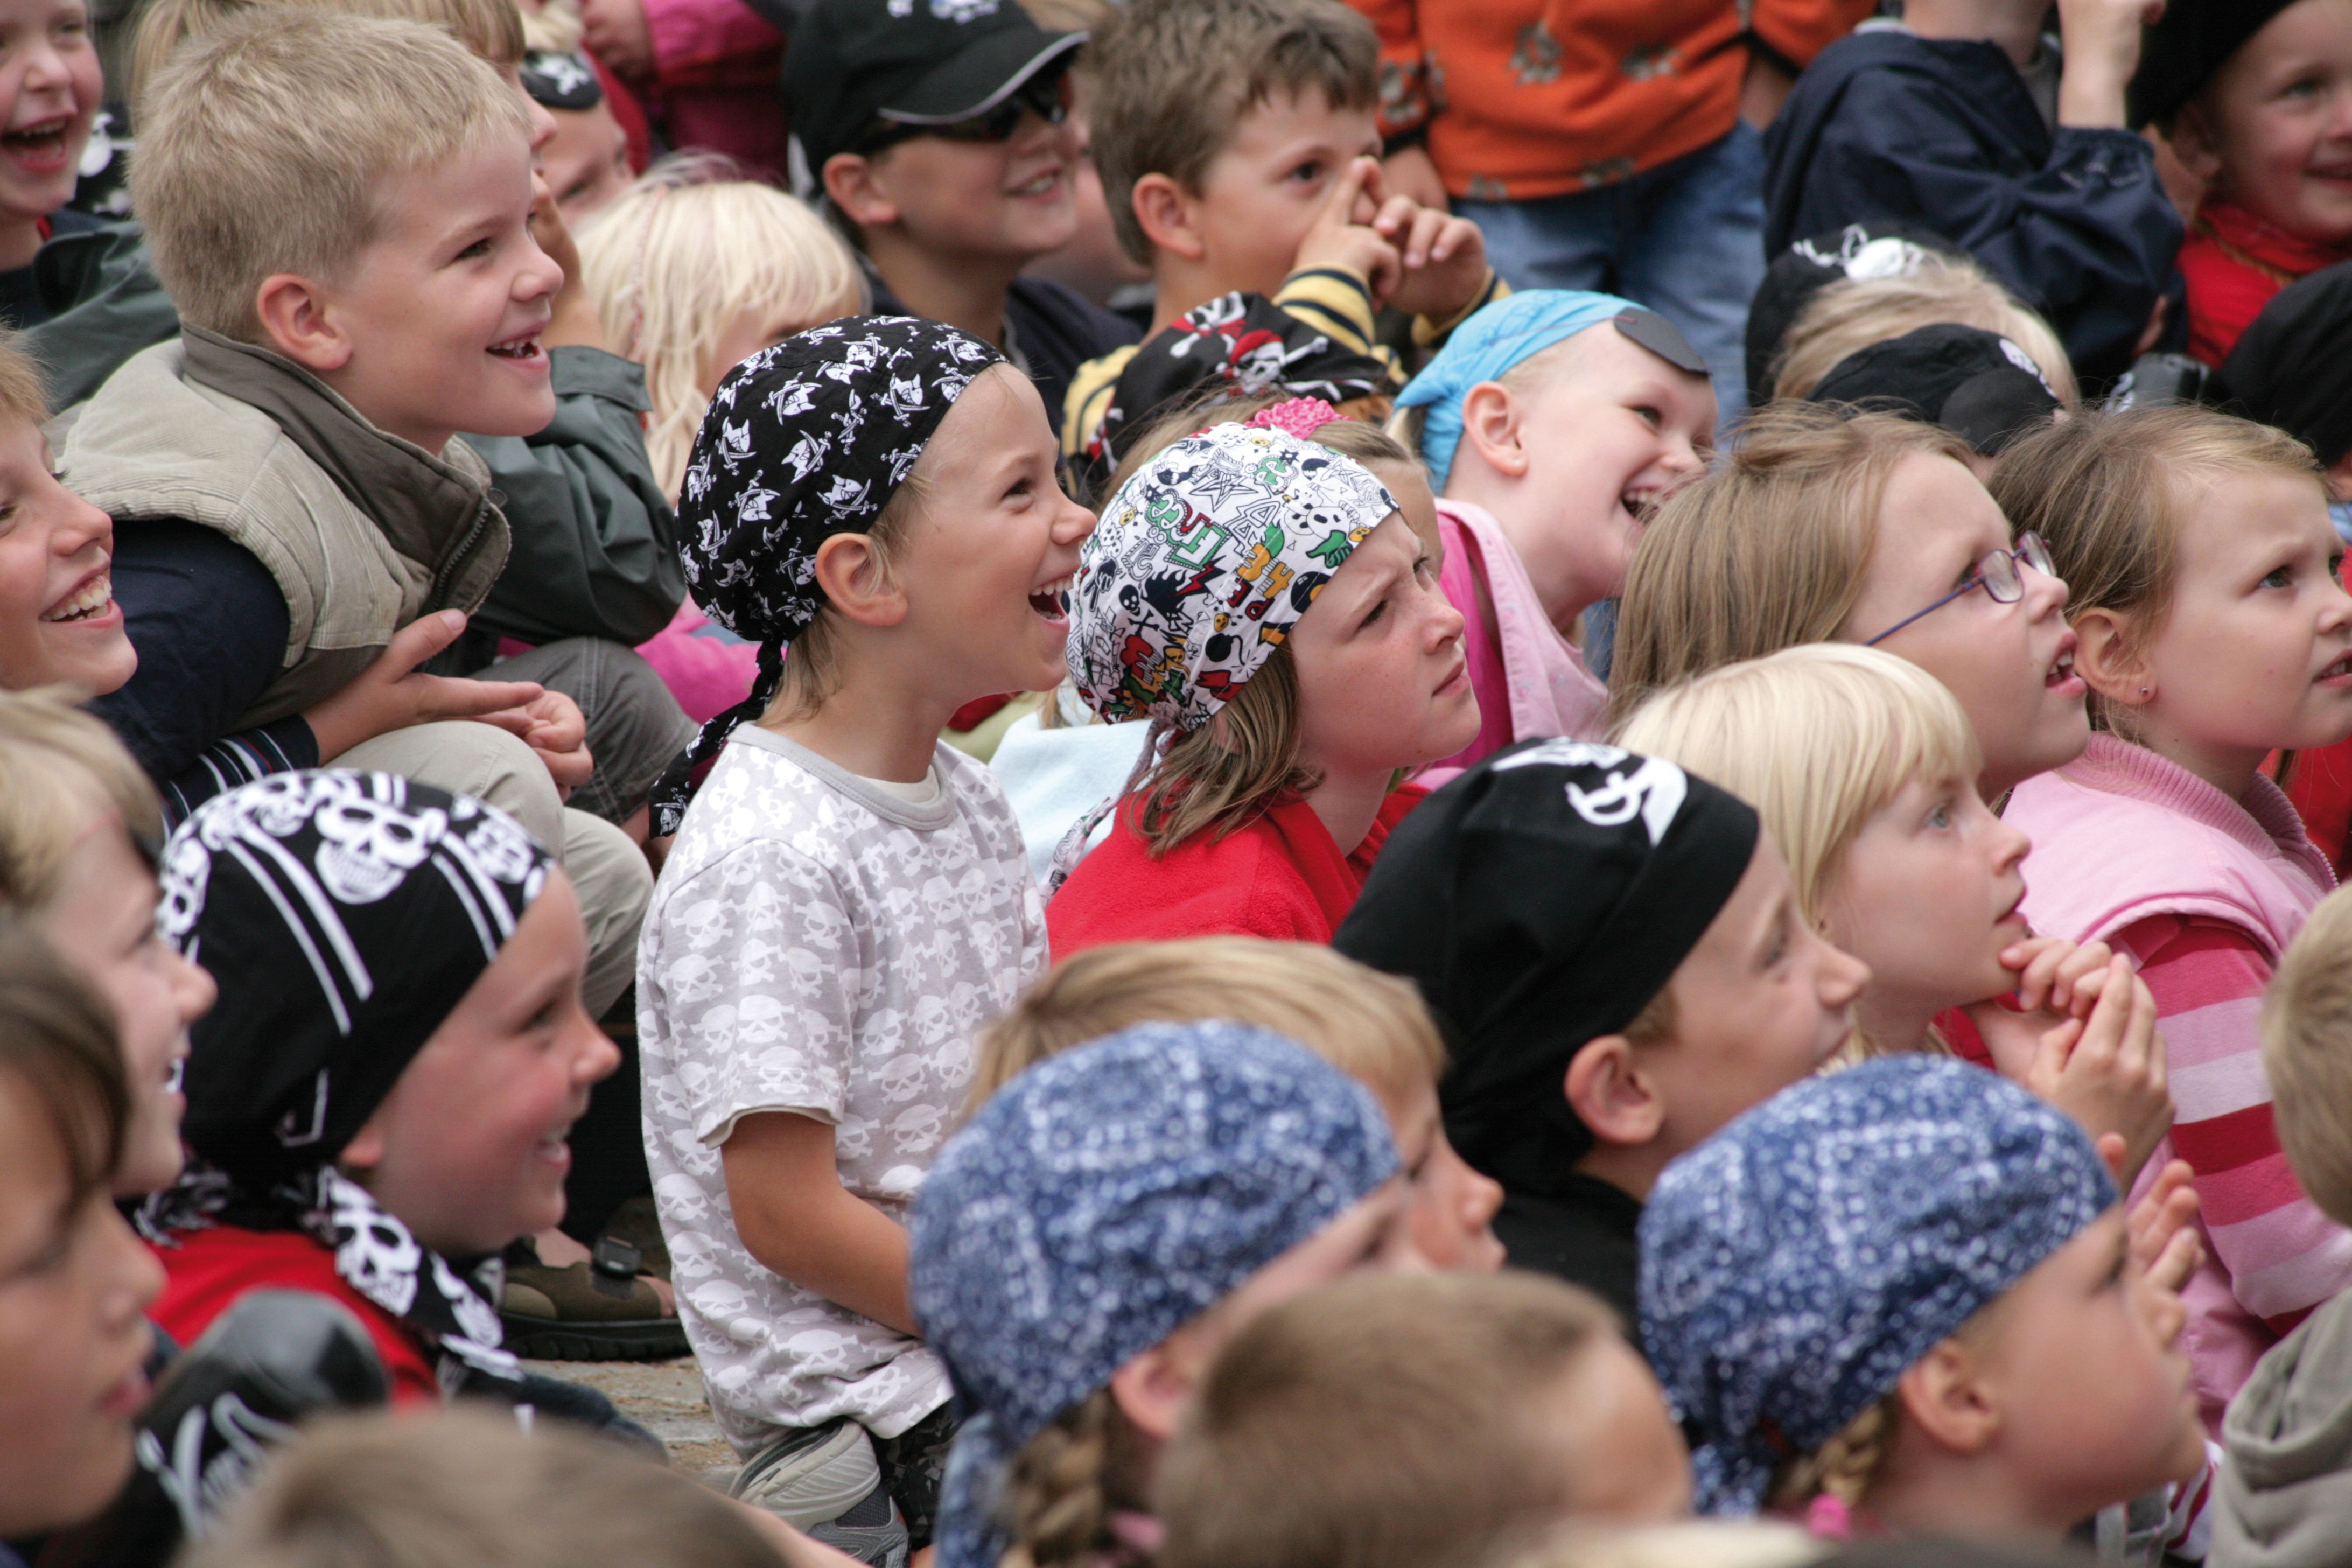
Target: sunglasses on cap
[(1045, 95)]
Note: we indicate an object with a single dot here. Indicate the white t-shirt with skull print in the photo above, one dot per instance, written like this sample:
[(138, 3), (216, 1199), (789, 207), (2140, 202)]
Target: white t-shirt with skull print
[(818, 944)]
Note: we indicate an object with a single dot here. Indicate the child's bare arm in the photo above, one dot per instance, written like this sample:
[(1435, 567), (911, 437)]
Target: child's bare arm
[(2102, 44), (796, 1218)]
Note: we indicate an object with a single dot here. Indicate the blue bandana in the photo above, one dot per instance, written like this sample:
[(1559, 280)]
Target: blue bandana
[(1101, 1201), (1502, 335), (1795, 1264)]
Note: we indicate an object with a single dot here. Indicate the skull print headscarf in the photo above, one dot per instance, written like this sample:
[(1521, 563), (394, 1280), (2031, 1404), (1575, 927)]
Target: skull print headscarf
[(805, 439), (343, 915)]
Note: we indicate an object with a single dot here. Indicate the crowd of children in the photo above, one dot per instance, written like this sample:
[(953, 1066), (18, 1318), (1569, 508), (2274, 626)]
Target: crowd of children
[(1228, 783)]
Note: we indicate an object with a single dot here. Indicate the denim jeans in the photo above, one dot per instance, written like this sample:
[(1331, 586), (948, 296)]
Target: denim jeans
[(1685, 238)]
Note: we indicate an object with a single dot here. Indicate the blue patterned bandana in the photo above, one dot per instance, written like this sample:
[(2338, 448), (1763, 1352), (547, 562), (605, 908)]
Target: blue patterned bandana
[(1794, 1264), (1101, 1201)]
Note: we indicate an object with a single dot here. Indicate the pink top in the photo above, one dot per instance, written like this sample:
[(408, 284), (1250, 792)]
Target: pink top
[(2206, 893), (705, 673), (1530, 683)]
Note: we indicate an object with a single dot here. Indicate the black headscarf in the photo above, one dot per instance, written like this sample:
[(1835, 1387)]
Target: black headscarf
[(805, 439), (2293, 366), (342, 915), (1539, 901)]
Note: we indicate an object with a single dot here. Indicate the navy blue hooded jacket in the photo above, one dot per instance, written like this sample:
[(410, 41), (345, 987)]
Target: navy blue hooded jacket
[(1943, 134)]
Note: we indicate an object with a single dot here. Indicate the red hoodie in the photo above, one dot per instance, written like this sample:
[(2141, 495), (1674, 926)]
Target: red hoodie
[(2234, 262), (1280, 875)]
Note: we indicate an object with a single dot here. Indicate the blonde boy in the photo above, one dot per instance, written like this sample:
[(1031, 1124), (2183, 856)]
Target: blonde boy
[(1371, 1026), (1239, 151)]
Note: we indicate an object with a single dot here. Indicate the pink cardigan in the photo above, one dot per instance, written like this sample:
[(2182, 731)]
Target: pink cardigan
[(1521, 659), (2128, 845)]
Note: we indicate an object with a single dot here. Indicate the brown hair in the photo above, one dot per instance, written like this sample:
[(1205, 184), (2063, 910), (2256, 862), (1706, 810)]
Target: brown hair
[(1768, 551), (1372, 1026), (1063, 1485), (2306, 1033), (458, 1488), (1173, 77), (490, 28), (1419, 1398), (60, 770), (1851, 1461), (57, 1039), (2108, 493)]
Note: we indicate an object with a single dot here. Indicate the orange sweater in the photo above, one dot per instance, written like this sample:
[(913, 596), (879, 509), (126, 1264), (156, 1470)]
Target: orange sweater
[(1538, 97)]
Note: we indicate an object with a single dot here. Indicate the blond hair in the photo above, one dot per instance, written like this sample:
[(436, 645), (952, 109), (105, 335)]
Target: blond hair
[(1817, 738), (683, 255), (1372, 1026), (1768, 551), (1846, 318), (1422, 1398), (1852, 1459), (1689, 1543), (453, 1488), (493, 29), (2108, 494), (1173, 77), (2306, 1032), (266, 143), (22, 397), (555, 27), (60, 771)]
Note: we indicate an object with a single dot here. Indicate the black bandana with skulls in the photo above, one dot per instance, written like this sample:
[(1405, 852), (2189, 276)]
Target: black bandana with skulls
[(343, 916), (805, 439)]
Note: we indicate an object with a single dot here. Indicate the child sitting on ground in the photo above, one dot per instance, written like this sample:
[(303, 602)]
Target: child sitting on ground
[(1898, 1299), (1272, 607), (847, 901), (1549, 440), (1451, 1419), (1371, 1026), (693, 271), (1617, 957), (2240, 90), (1087, 1242), (1872, 530), (2214, 632), (74, 1281), (1932, 121), (1239, 150), (2283, 1477), (1863, 769), (378, 1106)]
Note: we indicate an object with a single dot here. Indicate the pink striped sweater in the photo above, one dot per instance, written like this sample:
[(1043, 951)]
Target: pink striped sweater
[(2205, 892)]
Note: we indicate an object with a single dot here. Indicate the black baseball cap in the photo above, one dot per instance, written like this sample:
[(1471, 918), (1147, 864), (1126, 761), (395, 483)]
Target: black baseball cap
[(910, 62), (1858, 253), (1977, 384), (2185, 49)]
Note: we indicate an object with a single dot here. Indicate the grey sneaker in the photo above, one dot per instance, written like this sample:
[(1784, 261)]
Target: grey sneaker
[(826, 1480)]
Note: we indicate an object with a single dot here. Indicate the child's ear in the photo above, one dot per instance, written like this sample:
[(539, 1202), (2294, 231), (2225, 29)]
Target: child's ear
[(1490, 423), (1152, 1389), (1944, 1397), (2193, 143), (1610, 1093), (2109, 658), (849, 180), (1166, 214), (851, 572), (293, 312)]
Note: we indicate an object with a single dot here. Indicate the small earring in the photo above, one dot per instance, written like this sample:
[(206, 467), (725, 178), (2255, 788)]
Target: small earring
[(2142, 691)]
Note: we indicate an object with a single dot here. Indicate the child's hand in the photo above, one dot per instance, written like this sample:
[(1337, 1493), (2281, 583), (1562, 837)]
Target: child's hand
[(2103, 45), (1444, 258), (615, 33), (2056, 980), (552, 726), (390, 694), (2164, 1247), (1339, 239), (2107, 1070)]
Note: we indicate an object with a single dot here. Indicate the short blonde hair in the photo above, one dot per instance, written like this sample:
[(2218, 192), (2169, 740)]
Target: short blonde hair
[(1372, 1026), (1687, 1544), (1423, 1400), (1848, 316), (556, 28), (60, 771), (680, 257), (21, 394), (1817, 738), (493, 29), (2306, 1032), (1768, 551), (265, 145), (2108, 494), (457, 1487)]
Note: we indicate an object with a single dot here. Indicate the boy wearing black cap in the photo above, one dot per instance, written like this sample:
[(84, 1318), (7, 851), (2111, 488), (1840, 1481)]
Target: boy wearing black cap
[(1614, 951), (936, 131), (1960, 118), (1978, 384), (2248, 92)]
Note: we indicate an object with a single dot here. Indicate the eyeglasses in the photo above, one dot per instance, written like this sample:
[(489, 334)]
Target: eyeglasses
[(1997, 574), (1046, 99)]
